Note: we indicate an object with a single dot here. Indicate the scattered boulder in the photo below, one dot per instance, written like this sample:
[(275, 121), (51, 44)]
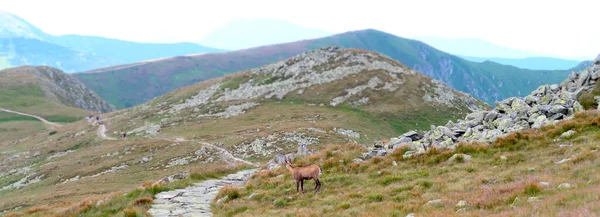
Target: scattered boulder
[(436, 202), (461, 204), (460, 158), (544, 184), (568, 134), (533, 200), (564, 186), (563, 161), (145, 160)]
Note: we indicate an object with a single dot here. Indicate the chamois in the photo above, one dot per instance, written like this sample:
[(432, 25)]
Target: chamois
[(301, 173)]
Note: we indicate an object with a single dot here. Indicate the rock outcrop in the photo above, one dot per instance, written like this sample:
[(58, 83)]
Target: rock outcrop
[(545, 105), (233, 95)]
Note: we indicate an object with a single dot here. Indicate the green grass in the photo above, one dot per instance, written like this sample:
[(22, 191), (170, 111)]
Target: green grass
[(8, 117), (30, 98)]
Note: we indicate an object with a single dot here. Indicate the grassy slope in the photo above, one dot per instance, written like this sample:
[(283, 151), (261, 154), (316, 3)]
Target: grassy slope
[(23, 93), (138, 83), (14, 127), (384, 117), (489, 184)]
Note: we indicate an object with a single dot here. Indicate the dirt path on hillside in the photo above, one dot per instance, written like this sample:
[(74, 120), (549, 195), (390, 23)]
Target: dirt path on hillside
[(33, 116), (224, 154), (102, 132), (195, 200)]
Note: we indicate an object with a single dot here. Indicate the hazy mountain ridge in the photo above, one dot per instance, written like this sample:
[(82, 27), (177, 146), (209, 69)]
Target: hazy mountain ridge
[(533, 63), (24, 44), (486, 81)]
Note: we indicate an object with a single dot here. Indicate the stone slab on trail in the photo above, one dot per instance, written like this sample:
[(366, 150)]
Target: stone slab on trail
[(195, 200)]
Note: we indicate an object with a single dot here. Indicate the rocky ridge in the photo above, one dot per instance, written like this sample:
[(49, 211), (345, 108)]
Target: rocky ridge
[(546, 105), (317, 67)]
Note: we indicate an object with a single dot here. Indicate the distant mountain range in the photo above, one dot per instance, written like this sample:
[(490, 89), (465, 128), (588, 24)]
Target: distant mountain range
[(24, 44), (473, 47), (536, 63), (133, 84), (478, 50), (255, 32)]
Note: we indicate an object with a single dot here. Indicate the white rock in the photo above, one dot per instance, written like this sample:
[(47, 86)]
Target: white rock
[(544, 184), (435, 202), (568, 134), (564, 186), (563, 161), (465, 157), (503, 157), (461, 203), (533, 200)]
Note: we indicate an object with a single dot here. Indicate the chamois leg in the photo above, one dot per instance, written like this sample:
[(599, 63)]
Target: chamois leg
[(297, 186), (302, 185), (318, 187)]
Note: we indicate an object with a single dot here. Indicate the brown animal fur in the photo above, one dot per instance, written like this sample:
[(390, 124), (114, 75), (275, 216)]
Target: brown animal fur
[(301, 173)]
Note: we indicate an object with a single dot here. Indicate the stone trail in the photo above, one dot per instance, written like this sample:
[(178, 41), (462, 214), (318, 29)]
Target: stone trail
[(195, 200)]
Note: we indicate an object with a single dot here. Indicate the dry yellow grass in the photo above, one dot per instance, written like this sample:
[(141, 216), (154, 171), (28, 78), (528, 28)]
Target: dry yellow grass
[(498, 181)]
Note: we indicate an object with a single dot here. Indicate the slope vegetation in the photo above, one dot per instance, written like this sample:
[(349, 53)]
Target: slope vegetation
[(535, 172), (321, 97), (46, 91), (528, 156), (129, 85)]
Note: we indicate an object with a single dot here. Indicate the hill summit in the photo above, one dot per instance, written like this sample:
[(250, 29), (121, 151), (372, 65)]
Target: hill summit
[(29, 86)]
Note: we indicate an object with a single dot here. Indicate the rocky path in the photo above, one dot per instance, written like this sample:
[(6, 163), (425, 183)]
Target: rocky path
[(223, 153), (102, 132), (226, 154), (195, 200), (33, 116)]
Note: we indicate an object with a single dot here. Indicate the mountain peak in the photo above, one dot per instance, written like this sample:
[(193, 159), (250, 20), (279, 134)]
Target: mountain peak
[(13, 26)]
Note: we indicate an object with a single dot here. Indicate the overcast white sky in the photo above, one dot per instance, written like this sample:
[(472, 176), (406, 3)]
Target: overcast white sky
[(567, 28)]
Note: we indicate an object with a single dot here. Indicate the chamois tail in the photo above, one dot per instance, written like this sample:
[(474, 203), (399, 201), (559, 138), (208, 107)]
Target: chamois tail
[(320, 171)]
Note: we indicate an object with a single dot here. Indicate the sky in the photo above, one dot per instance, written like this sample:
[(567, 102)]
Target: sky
[(554, 27)]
